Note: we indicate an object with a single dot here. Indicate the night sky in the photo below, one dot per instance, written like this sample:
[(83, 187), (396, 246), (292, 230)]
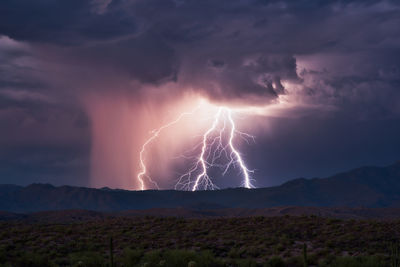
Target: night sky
[(82, 82)]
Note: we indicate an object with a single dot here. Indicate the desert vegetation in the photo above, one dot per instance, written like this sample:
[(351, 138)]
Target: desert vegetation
[(169, 241)]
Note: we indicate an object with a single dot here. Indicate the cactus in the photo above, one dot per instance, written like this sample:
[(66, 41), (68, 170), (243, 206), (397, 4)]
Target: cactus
[(111, 252), (305, 261)]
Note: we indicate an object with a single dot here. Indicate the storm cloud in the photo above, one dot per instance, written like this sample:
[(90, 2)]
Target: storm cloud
[(340, 60)]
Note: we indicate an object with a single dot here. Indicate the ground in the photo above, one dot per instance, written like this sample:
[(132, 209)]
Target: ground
[(171, 241)]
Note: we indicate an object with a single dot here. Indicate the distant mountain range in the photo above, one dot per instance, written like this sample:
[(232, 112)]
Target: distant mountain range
[(368, 187)]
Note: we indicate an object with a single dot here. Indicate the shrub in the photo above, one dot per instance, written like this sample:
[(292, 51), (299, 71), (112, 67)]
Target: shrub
[(152, 258), (2, 254), (234, 253), (362, 261), (280, 247), (32, 260), (275, 261), (176, 258), (131, 257), (179, 258), (296, 261), (244, 263), (87, 259)]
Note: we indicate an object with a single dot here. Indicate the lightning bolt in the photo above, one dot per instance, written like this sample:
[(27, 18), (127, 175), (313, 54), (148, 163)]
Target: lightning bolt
[(202, 161), (217, 150), (154, 135)]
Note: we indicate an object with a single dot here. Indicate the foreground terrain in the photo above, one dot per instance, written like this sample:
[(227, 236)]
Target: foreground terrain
[(170, 241)]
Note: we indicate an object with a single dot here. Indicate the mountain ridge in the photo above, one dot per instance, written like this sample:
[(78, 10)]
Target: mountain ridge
[(371, 187)]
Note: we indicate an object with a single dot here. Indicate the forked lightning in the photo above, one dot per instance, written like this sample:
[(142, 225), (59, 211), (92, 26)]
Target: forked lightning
[(218, 150)]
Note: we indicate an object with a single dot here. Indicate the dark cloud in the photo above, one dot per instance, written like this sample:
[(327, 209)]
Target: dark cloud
[(259, 42), (62, 22), (256, 78), (339, 54), (146, 59)]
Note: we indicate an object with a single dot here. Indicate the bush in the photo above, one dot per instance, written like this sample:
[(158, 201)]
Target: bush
[(170, 258), (234, 253), (179, 258), (3, 255), (132, 257), (32, 260), (87, 259), (244, 263), (176, 258), (362, 261), (276, 261), (152, 258), (296, 261), (280, 247)]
